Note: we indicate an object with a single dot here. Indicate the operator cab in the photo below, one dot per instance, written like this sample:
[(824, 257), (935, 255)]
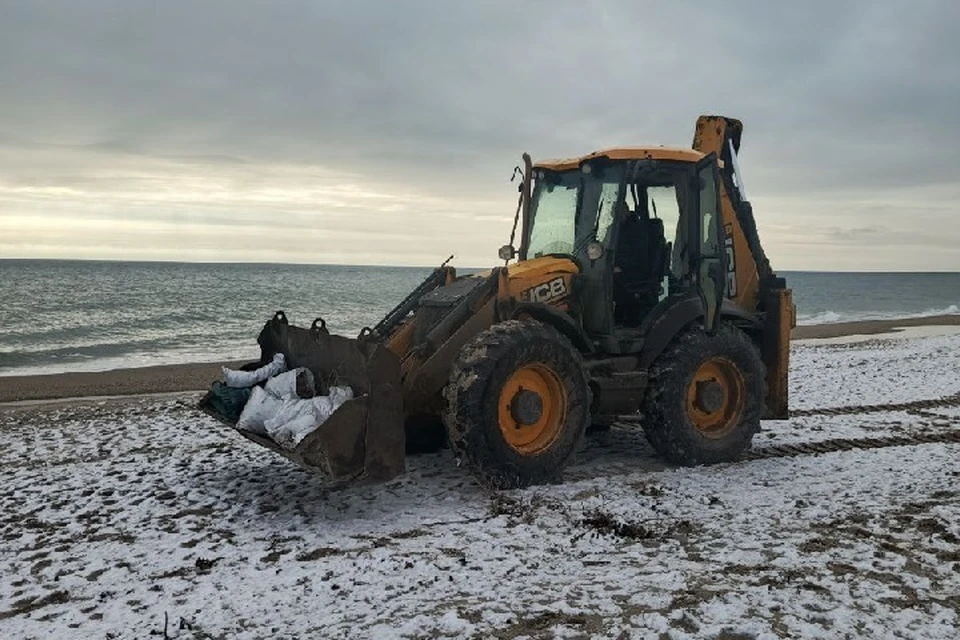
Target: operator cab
[(644, 228)]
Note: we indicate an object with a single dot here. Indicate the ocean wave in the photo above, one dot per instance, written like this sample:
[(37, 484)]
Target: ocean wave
[(833, 317), (130, 360)]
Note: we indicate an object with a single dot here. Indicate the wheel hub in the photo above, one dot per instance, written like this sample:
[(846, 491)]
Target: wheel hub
[(709, 396), (526, 407), (715, 397), (532, 408)]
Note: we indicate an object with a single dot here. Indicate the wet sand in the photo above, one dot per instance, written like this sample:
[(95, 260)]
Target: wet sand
[(197, 377), (871, 327), (118, 382)]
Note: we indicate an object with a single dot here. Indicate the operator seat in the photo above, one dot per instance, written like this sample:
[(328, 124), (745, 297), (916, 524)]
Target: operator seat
[(639, 264)]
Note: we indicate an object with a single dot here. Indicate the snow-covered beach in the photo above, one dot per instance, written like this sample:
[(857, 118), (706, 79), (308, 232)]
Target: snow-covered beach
[(139, 517)]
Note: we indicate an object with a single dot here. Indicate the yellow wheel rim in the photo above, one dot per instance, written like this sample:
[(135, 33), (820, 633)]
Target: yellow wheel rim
[(715, 397), (532, 408)]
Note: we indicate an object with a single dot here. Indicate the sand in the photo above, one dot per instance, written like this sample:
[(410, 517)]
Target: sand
[(139, 381), (196, 377), (871, 327)]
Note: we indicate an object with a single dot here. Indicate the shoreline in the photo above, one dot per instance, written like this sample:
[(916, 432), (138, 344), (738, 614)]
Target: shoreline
[(140, 381), (870, 327), (188, 377)]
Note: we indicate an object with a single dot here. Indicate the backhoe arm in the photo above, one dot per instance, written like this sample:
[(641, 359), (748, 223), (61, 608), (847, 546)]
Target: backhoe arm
[(751, 282)]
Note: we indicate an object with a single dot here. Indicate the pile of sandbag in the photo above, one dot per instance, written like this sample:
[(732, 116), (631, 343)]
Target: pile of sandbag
[(286, 408)]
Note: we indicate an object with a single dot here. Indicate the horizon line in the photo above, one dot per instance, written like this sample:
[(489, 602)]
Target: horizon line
[(388, 266)]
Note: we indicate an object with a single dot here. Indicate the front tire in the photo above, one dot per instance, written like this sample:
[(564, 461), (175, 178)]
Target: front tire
[(706, 397), (517, 404)]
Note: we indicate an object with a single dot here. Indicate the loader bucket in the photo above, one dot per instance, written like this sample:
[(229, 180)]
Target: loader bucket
[(362, 441)]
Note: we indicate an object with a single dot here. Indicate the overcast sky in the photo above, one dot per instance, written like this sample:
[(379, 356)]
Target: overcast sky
[(385, 132)]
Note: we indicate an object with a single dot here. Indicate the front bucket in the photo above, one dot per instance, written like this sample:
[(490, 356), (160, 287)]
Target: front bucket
[(363, 440)]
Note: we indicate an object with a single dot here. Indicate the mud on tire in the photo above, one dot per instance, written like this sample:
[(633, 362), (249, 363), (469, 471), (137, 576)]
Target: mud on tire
[(483, 369), (669, 419)]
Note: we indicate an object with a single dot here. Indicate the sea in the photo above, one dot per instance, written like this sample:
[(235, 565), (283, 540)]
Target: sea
[(58, 316)]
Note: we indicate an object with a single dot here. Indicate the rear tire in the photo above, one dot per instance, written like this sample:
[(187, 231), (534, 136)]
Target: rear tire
[(706, 397), (517, 404)]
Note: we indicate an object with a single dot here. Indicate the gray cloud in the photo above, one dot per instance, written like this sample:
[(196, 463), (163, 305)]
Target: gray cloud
[(842, 103)]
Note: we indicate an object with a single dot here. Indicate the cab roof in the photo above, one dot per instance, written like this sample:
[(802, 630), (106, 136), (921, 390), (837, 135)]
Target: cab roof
[(624, 153)]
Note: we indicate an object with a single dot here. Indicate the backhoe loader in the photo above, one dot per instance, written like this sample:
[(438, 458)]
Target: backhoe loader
[(638, 288)]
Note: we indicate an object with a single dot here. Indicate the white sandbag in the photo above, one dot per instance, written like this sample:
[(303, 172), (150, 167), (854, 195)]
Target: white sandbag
[(291, 409), (339, 395), (285, 385), (259, 408), (239, 379), (275, 410), (322, 408), (298, 418), (293, 432)]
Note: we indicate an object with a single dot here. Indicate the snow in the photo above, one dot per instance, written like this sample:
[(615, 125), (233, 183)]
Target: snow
[(115, 515)]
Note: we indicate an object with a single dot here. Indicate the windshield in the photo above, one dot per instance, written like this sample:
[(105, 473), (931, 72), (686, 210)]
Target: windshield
[(553, 209), (557, 226)]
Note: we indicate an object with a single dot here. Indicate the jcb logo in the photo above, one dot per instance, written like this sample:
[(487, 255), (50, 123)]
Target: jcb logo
[(731, 261), (545, 292)]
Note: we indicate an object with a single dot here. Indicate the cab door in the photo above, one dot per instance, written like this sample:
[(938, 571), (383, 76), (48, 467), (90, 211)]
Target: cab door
[(709, 257)]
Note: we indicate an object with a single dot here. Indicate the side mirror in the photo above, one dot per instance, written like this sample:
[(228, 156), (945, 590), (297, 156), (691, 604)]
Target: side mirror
[(507, 252)]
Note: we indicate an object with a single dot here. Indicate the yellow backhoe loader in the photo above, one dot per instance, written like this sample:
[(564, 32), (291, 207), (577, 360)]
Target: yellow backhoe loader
[(639, 288)]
